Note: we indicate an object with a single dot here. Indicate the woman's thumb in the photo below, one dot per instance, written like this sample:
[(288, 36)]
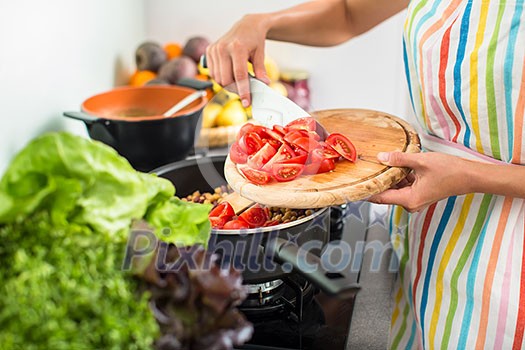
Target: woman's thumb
[(397, 159)]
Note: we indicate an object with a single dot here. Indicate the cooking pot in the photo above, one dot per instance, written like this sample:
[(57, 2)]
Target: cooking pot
[(130, 120), (268, 253)]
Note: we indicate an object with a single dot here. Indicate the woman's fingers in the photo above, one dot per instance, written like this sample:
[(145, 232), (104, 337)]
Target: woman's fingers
[(409, 160), (258, 65), (403, 197), (240, 75)]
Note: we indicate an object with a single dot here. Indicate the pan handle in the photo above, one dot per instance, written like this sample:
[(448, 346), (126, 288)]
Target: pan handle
[(334, 284), (86, 118)]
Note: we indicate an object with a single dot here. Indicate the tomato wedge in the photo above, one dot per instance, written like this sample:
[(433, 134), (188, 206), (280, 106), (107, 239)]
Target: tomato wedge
[(237, 155), (323, 166), (279, 129), (342, 145), (236, 224), (259, 159), (221, 214), (306, 143), (251, 142), (306, 123), (256, 176), (255, 216), (328, 151), (283, 172), (284, 152)]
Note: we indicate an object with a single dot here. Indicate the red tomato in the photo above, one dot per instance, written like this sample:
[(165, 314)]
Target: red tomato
[(273, 135), (306, 123), (293, 135), (244, 129), (271, 223), (274, 143), (237, 155), (221, 214), (284, 152), (295, 160), (306, 143), (256, 176), (328, 151), (342, 145), (262, 157), (251, 142), (323, 166), (236, 225), (286, 172), (255, 216), (279, 129)]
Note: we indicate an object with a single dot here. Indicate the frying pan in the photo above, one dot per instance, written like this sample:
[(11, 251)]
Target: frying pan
[(269, 253)]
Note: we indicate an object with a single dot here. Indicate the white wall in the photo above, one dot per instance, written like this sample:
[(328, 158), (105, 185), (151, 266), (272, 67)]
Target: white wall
[(366, 72), (56, 53)]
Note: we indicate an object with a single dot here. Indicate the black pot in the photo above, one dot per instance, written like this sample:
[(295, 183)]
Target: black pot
[(146, 139), (268, 253)]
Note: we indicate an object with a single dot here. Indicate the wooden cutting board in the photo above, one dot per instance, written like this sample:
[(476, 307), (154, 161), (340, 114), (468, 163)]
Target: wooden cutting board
[(371, 132)]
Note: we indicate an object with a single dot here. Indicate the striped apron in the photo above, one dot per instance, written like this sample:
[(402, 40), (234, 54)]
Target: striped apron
[(461, 282)]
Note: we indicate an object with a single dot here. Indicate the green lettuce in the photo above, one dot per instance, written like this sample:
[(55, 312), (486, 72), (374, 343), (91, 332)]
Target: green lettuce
[(66, 207)]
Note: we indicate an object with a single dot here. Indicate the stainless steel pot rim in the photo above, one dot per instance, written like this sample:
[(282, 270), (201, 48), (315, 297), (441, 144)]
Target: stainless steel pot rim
[(279, 227)]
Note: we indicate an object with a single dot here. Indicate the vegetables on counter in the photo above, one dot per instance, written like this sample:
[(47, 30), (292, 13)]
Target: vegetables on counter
[(66, 206), (284, 153)]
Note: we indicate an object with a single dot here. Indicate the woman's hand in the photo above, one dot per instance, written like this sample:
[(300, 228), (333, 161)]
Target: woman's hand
[(434, 176), (228, 58)]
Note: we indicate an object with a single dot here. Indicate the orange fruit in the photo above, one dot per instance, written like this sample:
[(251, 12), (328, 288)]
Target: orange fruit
[(202, 77), (173, 50), (141, 77)]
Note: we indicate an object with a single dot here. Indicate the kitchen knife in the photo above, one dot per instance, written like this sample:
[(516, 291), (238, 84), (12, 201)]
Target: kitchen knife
[(269, 107)]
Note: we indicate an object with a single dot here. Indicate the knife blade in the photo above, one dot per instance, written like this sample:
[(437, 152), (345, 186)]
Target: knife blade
[(269, 107)]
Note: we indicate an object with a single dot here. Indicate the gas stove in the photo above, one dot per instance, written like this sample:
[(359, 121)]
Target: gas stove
[(290, 313)]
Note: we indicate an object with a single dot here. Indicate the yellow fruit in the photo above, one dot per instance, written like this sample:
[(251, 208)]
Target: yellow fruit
[(250, 68), (272, 70), (232, 114), (209, 115), (248, 111), (279, 87), (202, 70)]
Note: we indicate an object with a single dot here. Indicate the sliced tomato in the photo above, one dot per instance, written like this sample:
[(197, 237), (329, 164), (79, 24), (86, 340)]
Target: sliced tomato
[(244, 129), (255, 176), (273, 135), (342, 145), (237, 155), (271, 223), (221, 214), (293, 135), (279, 129), (255, 216), (284, 152), (306, 143), (306, 123), (301, 159), (274, 143), (259, 159), (323, 166), (251, 142), (286, 172), (236, 225), (328, 151)]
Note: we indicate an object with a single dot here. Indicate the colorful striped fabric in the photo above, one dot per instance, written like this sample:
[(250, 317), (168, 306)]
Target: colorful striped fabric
[(462, 260)]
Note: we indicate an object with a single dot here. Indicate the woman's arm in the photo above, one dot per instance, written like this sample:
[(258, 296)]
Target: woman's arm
[(437, 176), (317, 23)]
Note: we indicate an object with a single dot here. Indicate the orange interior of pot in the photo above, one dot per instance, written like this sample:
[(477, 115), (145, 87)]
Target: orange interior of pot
[(140, 103)]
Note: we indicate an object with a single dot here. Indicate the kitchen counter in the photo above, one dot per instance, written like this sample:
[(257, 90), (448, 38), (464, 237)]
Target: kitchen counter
[(372, 308)]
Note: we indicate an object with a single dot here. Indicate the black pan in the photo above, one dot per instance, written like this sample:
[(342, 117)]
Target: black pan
[(268, 253)]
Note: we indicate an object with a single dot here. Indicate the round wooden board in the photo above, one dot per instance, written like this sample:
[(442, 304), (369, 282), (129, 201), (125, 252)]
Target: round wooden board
[(371, 132)]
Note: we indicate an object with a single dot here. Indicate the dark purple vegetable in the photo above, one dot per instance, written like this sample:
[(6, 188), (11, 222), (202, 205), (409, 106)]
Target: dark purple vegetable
[(194, 301)]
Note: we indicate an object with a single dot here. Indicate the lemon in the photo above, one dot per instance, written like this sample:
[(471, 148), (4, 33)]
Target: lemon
[(272, 69), (209, 115), (279, 87), (232, 113)]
